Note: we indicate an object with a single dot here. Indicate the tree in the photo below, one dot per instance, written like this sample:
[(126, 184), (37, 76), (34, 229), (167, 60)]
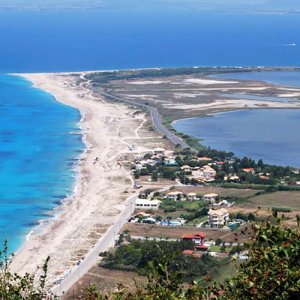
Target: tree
[(218, 242), (15, 287), (260, 164), (251, 217), (271, 272), (154, 176)]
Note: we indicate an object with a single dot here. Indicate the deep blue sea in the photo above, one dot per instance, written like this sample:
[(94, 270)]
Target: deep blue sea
[(39, 144), (34, 41), (39, 137)]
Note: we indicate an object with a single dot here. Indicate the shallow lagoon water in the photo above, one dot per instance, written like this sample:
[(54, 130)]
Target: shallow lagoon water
[(269, 134)]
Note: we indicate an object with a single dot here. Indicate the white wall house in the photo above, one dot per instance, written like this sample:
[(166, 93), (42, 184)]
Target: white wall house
[(218, 217), (211, 198), (191, 196), (174, 195), (209, 172), (159, 151), (147, 204)]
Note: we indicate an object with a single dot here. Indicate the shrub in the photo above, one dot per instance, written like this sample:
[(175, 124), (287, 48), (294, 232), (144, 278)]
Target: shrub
[(281, 209)]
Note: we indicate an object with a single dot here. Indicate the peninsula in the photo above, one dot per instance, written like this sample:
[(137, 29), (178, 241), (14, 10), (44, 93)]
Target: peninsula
[(121, 113)]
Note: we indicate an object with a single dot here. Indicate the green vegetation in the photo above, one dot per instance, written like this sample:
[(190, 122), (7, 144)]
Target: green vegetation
[(17, 287), (272, 272), (99, 78), (142, 256), (106, 77)]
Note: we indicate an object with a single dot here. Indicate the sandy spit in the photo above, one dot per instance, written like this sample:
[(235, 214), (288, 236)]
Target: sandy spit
[(102, 180)]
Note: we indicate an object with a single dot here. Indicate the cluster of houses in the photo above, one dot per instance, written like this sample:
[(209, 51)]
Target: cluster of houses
[(205, 172), (154, 158), (218, 215), (200, 174)]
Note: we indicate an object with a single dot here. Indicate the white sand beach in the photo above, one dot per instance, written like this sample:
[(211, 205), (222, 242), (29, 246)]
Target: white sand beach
[(102, 186)]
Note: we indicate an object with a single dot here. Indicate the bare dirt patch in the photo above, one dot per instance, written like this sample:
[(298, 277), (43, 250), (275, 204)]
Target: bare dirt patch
[(178, 232)]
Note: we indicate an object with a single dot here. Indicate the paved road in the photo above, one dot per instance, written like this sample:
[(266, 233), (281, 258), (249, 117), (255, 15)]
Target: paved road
[(155, 118), (107, 241)]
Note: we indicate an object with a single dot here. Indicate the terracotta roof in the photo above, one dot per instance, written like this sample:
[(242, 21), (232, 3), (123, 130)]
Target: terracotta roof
[(202, 247), (248, 169), (218, 212), (211, 195), (196, 235), (192, 253), (205, 158)]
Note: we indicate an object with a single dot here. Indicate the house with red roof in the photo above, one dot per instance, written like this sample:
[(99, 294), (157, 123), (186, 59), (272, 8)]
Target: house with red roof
[(191, 253), (249, 170), (198, 239)]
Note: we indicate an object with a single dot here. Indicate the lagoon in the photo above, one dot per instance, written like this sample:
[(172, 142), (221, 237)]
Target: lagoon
[(269, 134)]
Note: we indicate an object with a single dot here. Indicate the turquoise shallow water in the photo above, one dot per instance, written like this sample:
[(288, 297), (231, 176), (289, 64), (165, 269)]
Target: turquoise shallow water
[(39, 143)]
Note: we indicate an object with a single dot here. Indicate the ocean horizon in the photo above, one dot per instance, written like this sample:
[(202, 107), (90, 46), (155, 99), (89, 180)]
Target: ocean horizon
[(109, 39)]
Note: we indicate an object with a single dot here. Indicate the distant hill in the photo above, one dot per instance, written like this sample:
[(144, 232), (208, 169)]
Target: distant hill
[(269, 6)]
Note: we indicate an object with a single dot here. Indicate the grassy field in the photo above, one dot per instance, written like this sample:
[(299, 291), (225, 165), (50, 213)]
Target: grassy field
[(226, 271), (156, 231), (223, 192), (278, 199)]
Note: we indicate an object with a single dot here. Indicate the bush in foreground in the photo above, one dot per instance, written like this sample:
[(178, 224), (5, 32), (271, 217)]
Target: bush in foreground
[(16, 287), (271, 272)]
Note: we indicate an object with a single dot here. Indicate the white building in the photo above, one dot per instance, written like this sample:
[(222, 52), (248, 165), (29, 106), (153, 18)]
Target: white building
[(218, 217), (159, 151), (211, 198), (191, 196), (147, 204), (209, 172), (204, 174), (174, 195), (186, 168)]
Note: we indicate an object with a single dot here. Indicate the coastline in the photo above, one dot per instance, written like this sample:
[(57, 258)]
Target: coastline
[(103, 190), (98, 199)]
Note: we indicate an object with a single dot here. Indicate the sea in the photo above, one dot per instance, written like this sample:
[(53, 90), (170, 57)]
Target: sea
[(40, 139), (40, 143)]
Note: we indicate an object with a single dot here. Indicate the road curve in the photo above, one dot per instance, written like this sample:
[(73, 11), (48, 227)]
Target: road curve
[(155, 118)]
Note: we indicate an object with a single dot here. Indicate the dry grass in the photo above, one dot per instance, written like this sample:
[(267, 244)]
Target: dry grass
[(155, 231), (223, 192), (104, 280), (288, 199)]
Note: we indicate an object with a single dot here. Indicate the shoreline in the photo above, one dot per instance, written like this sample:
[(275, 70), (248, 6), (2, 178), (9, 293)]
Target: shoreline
[(84, 207), (206, 142), (238, 69), (73, 225), (45, 223)]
